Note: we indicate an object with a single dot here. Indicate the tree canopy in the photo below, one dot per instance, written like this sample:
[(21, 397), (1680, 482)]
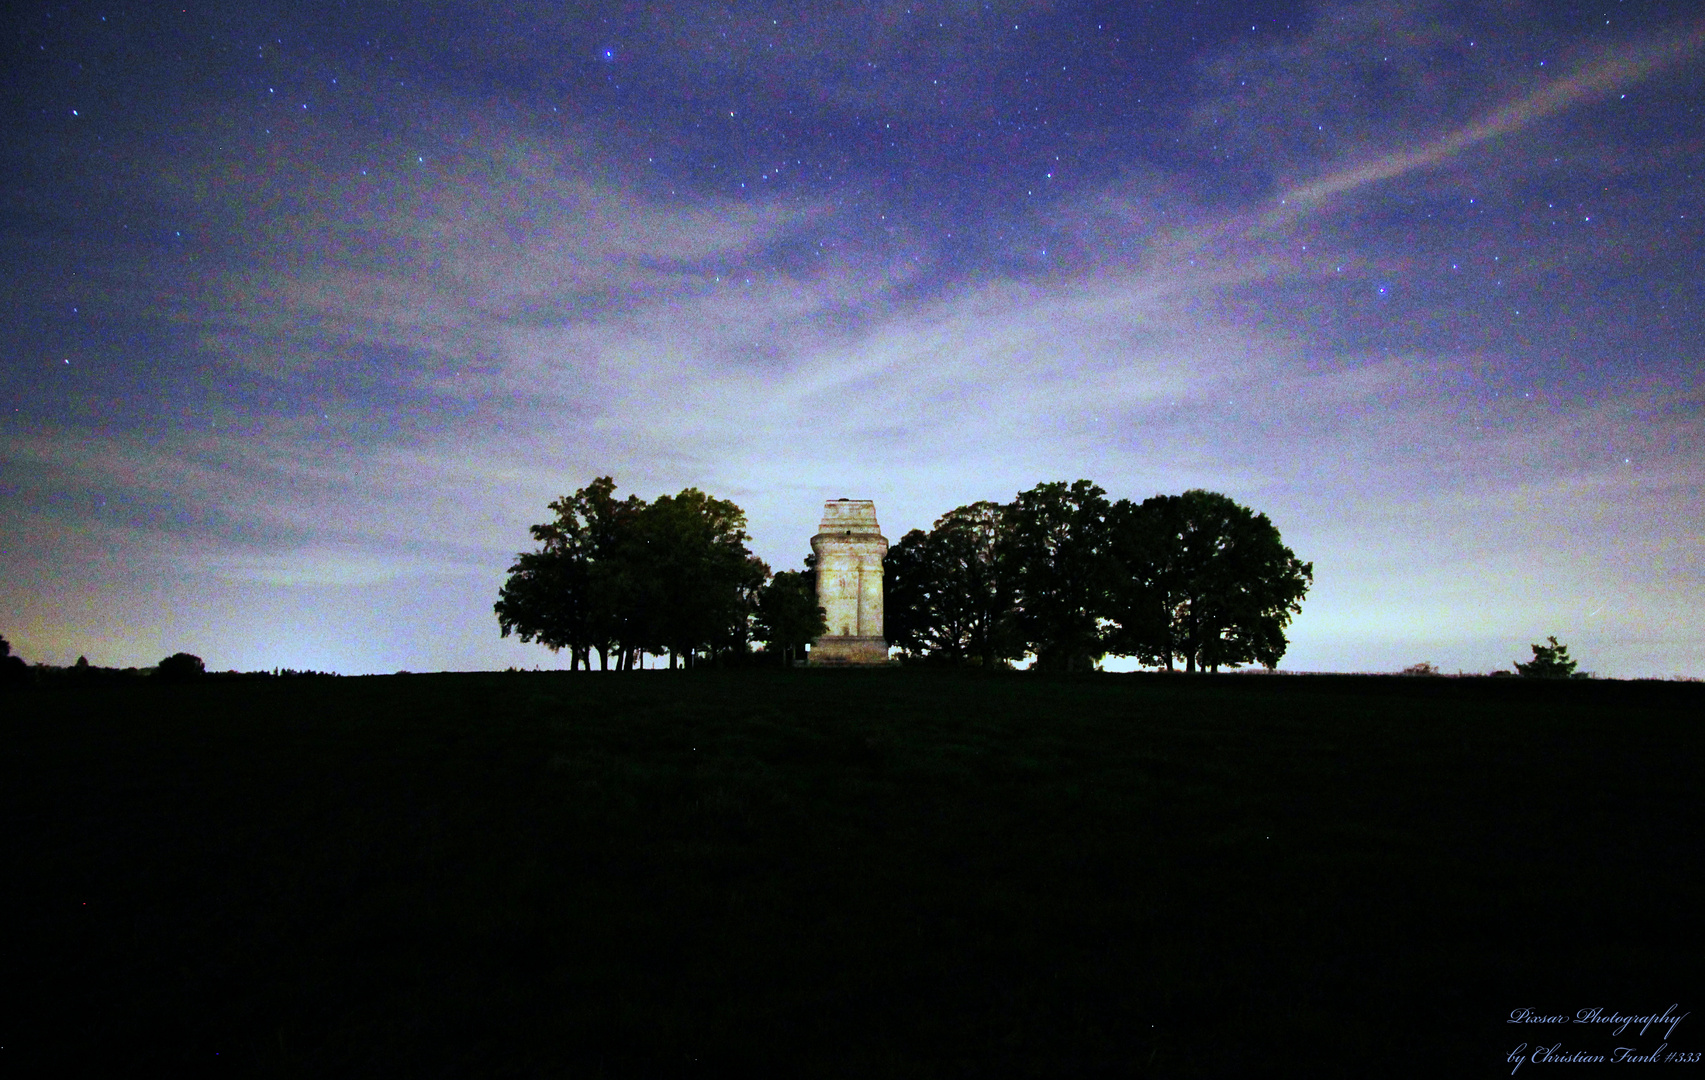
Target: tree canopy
[(1057, 559), (178, 667), (1066, 575), (12, 668), (1204, 580), (788, 615), (622, 577), (947, 593)]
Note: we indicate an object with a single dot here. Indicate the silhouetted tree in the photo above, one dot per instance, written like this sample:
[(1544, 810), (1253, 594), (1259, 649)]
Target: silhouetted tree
[(905, 592), (789, 616), (626, 576), (1062, 573), (1146, 589), (621, 599), (180, 667), (1053, 550), (947, 593), (13, 670), (706, 580), (1203, 579), (1549, 662), (548, 595)]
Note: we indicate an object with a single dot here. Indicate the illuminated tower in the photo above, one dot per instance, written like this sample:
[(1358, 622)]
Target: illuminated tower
[(849, 548)]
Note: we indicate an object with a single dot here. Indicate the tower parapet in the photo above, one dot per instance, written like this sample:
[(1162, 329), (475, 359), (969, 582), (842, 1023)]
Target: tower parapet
[(849, 546)]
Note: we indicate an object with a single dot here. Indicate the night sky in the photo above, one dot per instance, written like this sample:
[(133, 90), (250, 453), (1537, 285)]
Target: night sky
[(312, 307)]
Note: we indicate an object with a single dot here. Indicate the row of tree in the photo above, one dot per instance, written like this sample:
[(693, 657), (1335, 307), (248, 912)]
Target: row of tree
[(1068, 576), (1060, 573), (178, 667), (626, 577)]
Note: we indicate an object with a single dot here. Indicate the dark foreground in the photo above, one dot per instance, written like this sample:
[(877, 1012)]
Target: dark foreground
[(893, 873)]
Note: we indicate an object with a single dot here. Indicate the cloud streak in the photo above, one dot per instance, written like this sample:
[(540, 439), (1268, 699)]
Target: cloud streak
[(1594, 79)]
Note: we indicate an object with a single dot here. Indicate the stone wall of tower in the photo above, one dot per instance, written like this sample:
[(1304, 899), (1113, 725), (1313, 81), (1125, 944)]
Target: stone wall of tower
[(838, 587), (849, 547), (870, 592)]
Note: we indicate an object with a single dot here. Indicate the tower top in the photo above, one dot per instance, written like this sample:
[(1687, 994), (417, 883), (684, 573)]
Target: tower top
[(843, 516)]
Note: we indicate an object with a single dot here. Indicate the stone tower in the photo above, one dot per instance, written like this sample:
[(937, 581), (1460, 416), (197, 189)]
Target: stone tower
[(849, 549)]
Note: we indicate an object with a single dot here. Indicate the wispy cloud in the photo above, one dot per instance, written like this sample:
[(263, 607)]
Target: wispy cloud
[(434, 322), (1596, 78)]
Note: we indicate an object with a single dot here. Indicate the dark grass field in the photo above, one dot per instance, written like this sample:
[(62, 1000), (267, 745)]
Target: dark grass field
[(890, 873)]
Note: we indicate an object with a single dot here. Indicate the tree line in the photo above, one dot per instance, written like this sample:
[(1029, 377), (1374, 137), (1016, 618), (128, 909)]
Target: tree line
[(1060, 573), (1065, 575)]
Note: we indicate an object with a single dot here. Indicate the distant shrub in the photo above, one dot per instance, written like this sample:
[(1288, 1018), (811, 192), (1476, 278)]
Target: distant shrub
[(180, 667), (1425, 667), (1549, 662)]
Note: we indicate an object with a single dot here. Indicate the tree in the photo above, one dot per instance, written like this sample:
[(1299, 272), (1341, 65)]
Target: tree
[(1054, 554), (703, 578), (548, 595), (1146, 593), (906, 592), (620, 604), (1549, 662), (624, 576), (180, 667), (12, 668), (546, 599), (788, 615), (947, 593), (969, 542), (1204, 579)]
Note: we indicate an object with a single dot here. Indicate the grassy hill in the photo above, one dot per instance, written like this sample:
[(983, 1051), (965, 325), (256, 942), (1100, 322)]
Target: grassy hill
[(898, 873)]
